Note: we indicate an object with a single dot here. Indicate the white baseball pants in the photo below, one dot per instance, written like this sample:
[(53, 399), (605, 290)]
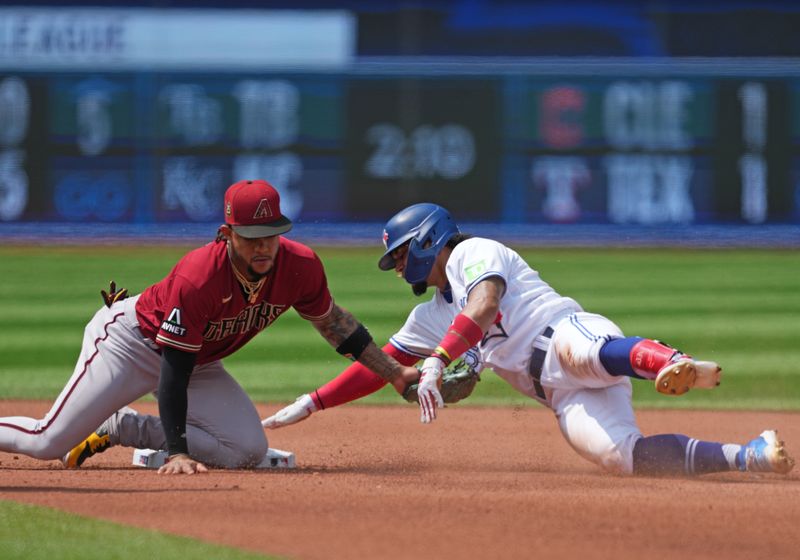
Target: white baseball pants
[(593, 408)]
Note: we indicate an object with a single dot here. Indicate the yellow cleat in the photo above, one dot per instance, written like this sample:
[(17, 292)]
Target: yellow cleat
[(95, 443)]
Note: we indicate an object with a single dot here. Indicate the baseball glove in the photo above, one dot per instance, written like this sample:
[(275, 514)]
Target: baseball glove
[(113, 295), (458, 382)]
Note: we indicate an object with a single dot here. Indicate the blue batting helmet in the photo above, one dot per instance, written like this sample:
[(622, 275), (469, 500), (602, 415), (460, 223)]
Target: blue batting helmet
[(428, 227)]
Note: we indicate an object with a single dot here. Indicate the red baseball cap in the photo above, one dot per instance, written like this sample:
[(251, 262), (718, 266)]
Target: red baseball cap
[(253, 209)]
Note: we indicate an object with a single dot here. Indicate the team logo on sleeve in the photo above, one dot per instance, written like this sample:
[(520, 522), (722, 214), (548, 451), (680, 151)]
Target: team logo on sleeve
[(173, 323), (473, 271)]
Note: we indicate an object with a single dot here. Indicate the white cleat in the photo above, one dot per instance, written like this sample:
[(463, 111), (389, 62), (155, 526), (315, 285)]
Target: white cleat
[(678, 377)]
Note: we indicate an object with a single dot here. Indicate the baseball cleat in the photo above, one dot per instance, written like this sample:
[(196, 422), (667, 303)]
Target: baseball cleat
[(97, 442), (685, 373), (766, 453)]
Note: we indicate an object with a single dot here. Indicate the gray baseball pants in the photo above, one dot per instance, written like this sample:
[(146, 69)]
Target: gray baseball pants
[(118, 365)]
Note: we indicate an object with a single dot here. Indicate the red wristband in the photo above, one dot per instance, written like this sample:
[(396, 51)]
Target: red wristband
[(356, 381), (463, 334)]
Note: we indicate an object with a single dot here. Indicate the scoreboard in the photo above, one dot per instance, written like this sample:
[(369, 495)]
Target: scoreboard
[(414, 140), (502, 146), (629, 150)]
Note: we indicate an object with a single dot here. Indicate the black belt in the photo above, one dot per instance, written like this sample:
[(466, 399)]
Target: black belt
[(537, 361)]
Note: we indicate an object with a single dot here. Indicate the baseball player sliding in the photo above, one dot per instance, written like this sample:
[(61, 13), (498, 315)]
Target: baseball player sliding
[(544, 345), (171, 338)]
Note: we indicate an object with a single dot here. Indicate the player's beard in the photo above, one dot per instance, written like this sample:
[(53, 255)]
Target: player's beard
[(419, 288), (237, 260), (254, 275)]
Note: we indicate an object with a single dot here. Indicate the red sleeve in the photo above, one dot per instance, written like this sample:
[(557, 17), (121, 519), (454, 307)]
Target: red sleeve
[(185, 317), (316, 301), (356, 381)]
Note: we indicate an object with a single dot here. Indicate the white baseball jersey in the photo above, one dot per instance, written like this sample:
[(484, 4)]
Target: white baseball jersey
[(593, 408), (527, 307)]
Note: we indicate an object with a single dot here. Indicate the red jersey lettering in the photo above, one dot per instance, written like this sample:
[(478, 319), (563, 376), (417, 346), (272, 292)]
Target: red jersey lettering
[(199, 307)]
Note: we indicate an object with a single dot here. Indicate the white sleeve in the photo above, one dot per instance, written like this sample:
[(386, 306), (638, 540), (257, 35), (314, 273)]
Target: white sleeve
[(476, 260), (426, 325)]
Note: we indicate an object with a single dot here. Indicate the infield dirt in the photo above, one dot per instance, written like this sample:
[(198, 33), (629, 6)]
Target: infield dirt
[(479, 483)]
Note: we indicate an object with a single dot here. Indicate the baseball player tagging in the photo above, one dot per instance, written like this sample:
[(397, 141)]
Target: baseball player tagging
[(172, 337)]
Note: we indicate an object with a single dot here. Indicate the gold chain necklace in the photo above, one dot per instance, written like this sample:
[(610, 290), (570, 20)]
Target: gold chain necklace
[(251, 288)]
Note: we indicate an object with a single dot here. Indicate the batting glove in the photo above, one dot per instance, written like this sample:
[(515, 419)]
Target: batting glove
[(428, 392), (299, 410)]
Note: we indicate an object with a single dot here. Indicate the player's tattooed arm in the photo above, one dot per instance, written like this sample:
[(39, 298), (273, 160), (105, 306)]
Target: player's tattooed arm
[(341, 329), (483, 302)]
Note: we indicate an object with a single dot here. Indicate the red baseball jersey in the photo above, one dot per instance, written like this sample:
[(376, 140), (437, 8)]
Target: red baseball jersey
[(200, 306)]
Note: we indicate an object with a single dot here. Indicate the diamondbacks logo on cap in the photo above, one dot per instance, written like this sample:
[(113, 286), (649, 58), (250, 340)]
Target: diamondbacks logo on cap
[(263, 210), (228, 209)]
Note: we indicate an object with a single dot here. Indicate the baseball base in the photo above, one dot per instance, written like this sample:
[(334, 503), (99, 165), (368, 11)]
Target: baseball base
[(277, 459), (274, 459), (149, 458)]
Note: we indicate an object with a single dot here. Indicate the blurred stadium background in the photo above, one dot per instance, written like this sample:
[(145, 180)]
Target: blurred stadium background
[(541, 123), (581, 123)]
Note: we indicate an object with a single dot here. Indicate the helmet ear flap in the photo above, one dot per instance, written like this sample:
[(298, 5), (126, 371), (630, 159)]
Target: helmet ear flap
[(426, 227), (422, 253)]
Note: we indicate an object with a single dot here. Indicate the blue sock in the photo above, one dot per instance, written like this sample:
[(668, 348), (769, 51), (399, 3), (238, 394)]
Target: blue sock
[(676, 454), (615, 355)]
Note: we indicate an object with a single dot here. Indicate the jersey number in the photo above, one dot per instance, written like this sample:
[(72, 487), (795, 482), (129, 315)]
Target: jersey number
[(495, 331)]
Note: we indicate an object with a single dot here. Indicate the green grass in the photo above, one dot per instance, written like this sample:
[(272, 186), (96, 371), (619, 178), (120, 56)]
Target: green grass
[(738, 307), (36, 533), (741, 308)]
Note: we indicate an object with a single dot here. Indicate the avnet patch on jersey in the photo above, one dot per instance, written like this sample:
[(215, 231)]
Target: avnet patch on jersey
[(173, 324)]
